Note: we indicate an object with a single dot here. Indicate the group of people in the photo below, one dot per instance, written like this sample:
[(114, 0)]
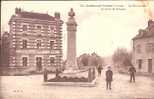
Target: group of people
[(109, 75)]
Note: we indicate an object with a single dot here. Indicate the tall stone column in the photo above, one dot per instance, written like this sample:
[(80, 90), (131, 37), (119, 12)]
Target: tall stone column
[(71, 63)]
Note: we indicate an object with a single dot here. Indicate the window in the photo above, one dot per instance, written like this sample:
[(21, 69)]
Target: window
[(138, 48), (150, 65), (52, 28), (24, 27), (38, 27), (149, 47), (24, 61), (52, 60), (24, 42), (153, 47), (51, 44), (46, 26), (31, 26), (140, 63), (38, 43)]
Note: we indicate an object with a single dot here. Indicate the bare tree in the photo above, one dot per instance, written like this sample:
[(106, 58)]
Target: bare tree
[(122, 58)]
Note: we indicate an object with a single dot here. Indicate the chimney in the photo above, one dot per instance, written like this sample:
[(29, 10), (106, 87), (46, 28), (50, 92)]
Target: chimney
[(17, 10), (150, 24), (57, 15), (141, 32)]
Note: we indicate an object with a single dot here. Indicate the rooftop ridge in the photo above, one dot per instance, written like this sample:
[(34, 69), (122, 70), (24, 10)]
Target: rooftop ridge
[(33, 15)]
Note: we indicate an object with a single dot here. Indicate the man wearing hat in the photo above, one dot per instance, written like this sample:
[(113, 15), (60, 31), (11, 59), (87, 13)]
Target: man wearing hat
[(132, 72), (109, 75)]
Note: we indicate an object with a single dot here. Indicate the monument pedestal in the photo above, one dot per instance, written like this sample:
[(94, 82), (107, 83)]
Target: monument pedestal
[(71, 69), (86, 77)]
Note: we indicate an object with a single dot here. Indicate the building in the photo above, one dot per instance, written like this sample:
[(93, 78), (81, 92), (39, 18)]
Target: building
[(143, 49), (35, 40), (5, 50), (0, 50)]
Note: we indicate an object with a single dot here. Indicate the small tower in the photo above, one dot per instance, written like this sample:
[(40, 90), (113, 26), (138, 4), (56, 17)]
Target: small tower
[(71, 41)]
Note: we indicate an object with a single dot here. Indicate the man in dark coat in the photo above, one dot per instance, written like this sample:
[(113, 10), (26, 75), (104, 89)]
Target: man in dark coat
[(132, 71), (109, 79), (99, 70)]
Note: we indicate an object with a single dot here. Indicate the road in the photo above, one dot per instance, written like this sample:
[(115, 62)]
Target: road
[(30, 87)]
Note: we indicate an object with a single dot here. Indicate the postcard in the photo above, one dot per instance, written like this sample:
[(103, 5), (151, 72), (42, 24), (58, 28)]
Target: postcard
[(77, 49)]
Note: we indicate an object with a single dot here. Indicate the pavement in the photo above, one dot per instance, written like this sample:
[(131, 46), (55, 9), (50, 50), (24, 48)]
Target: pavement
[(31, 87)]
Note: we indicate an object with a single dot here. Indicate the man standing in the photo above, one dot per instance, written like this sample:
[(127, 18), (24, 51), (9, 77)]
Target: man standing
[(109, 75), (99, 70), (57, 72), (132, 71)]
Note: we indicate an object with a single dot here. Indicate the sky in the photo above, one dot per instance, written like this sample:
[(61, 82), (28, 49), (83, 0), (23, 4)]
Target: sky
[(99, 29)]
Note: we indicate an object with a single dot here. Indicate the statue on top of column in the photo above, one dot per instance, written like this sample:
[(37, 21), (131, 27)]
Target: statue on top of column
[(71, 13)]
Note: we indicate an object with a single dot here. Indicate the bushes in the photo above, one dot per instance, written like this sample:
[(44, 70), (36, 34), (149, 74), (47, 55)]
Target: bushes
[(68, 79)]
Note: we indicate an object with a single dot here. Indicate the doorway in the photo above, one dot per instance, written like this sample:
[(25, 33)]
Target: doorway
[(38, 63), (140, 63), (150, 65)]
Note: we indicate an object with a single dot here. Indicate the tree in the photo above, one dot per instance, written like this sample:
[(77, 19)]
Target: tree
[(127, 60), (84, 59), (122, 58), (90, 60), (95, 59)]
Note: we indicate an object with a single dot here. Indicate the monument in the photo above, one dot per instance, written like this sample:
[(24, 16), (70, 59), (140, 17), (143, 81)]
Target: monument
[(72, 75), (71, 64)]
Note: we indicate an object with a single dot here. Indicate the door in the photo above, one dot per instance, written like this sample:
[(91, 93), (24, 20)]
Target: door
[(24, 61), (150, 65), (38, 63), (140, 63)]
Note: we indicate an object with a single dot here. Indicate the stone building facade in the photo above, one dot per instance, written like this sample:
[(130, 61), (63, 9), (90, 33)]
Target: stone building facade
[(35, 40), (143, 49)]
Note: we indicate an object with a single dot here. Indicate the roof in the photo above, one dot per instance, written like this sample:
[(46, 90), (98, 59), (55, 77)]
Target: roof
[(33, 15), (145, 33)]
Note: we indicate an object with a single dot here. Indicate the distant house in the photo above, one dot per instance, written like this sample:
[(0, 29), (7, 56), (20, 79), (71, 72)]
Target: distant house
[(35, 40), (143, 49)]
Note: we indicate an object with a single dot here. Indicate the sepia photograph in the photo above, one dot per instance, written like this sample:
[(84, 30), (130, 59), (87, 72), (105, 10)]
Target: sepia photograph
[(77, 49)]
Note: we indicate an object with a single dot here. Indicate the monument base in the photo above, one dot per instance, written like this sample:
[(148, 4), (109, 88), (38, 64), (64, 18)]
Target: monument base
[(75, 73), (78, 84), (84, 77), (71, 69)]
